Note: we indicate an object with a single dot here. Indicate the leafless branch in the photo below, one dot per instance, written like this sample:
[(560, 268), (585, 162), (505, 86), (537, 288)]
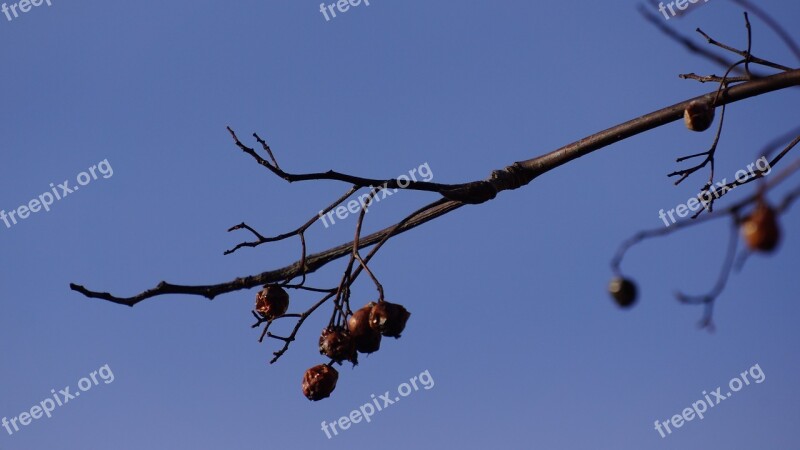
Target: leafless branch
[(517, 175), (772, 24)]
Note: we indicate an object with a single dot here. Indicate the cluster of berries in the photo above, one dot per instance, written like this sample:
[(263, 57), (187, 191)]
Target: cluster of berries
[(761, 233), (362, 334), (760, 229)]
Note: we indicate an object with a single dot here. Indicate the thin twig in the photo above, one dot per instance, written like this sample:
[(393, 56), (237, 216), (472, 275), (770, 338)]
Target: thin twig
[(772, 24), (392, 183), (262, 240), (744, 53)]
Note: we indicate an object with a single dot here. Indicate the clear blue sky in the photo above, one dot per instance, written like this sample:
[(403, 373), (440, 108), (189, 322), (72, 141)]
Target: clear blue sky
[(509, 310)]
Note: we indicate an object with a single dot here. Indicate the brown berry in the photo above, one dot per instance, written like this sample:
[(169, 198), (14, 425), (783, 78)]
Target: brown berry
[(319, 381), (336, 344), (698, 116), (388, 318), (272, 302), (760, 230), (623, 291), (366, 339)]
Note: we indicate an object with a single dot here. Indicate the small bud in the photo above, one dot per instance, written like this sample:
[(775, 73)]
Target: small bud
[(272, 302), (698, 116), (319, 381), (366, 339), (760, 230), (337, 344), (388, 318), (623, 291)]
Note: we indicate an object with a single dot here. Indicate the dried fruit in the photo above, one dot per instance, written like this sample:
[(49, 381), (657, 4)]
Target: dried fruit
[(760, 230), (319, 381), (388, 318), (272, 302), (623, 290), (337, 344), (698, 116), (366, 339)]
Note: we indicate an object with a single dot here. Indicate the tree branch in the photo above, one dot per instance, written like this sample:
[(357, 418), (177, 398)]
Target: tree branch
[(512, 177)]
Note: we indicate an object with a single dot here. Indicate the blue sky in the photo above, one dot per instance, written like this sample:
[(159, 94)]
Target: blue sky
[(509, 311)]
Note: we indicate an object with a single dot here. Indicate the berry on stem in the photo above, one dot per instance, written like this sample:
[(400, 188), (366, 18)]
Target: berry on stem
[(319, 381), (623, 291), (367, 340), (337, 344), (760, 229), (389, 319), (272, 302), (698, 116)]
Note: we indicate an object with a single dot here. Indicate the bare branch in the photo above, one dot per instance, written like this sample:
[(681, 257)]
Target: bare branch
[(297, 232), (517, 175), (684, 41), (771, 23), (391, 183), (745, 53)]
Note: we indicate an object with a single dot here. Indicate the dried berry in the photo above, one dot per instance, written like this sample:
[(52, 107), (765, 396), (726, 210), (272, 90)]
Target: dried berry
[(337, 344), (698, 116), (760, 230), (319, 381), (366, 339), (388, 318), (623, 291), (272, 302)]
